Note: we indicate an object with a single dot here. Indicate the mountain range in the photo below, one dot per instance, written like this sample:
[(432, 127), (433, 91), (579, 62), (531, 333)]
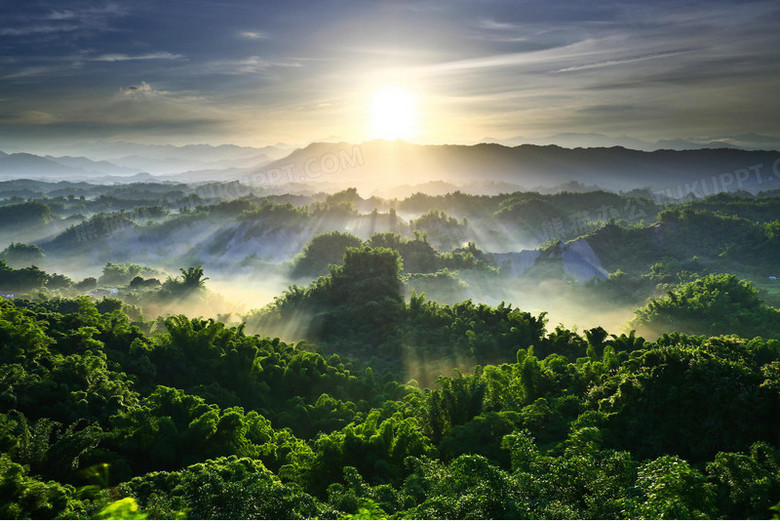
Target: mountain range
[(592, 140), (382, 165), (386, 164)]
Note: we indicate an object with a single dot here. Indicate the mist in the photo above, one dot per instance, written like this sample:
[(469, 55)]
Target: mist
[(556, 253)]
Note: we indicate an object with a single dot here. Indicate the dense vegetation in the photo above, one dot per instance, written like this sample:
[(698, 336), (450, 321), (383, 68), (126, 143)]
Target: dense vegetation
[(386, 387), (185, 413), (715, 304), (181, 406)]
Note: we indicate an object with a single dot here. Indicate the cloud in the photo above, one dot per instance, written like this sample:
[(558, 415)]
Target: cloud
[(253, 35), (30, 117), (587, 47), (38, 29), (76, 61), (620, 61), (249, 65), (65, 14), (532, 67), (138, 110), (125, 57), (493, 25), (31, 71), (28, 20), (141, 90)]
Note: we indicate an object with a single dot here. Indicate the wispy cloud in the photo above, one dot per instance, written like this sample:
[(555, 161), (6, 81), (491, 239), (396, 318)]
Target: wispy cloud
[(249, 65), (38, 117), (27, 71), (146, 91), (493, 25), (621, 61), (38, 29), (143, 89), (588, 47), (126, 57), (41, 70), (253, 35), (31, 21), (65, 14)]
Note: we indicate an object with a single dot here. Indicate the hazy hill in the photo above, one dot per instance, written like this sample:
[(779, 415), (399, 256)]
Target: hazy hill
[(108, 150), (177, 165), (383, 164), (14, 166), (24, 165), (590, 140), (122, 158), (98, 167)]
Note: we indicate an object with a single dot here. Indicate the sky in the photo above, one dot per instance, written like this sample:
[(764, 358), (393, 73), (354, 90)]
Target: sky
[(260, 72)]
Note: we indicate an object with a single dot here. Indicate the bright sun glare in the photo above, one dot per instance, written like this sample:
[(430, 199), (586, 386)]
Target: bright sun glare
[(393, 113)]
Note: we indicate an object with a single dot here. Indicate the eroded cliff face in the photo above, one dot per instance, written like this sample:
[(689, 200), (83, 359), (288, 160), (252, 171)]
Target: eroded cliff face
[(581, 262), (516, 263)]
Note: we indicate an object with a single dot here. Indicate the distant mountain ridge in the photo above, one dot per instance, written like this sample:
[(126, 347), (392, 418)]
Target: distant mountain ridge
[(121, 159), (595, 140), (108, 150), (99, 167), (383, 165), (29, 165)]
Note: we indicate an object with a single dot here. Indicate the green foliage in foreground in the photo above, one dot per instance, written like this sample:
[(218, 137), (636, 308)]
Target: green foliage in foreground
[(201, 420)]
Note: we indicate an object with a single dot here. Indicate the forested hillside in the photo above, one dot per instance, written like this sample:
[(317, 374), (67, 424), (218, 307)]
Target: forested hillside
[(410, 369), (181, 414)]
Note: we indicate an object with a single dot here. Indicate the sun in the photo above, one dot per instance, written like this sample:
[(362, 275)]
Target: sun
[(393, 114)]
